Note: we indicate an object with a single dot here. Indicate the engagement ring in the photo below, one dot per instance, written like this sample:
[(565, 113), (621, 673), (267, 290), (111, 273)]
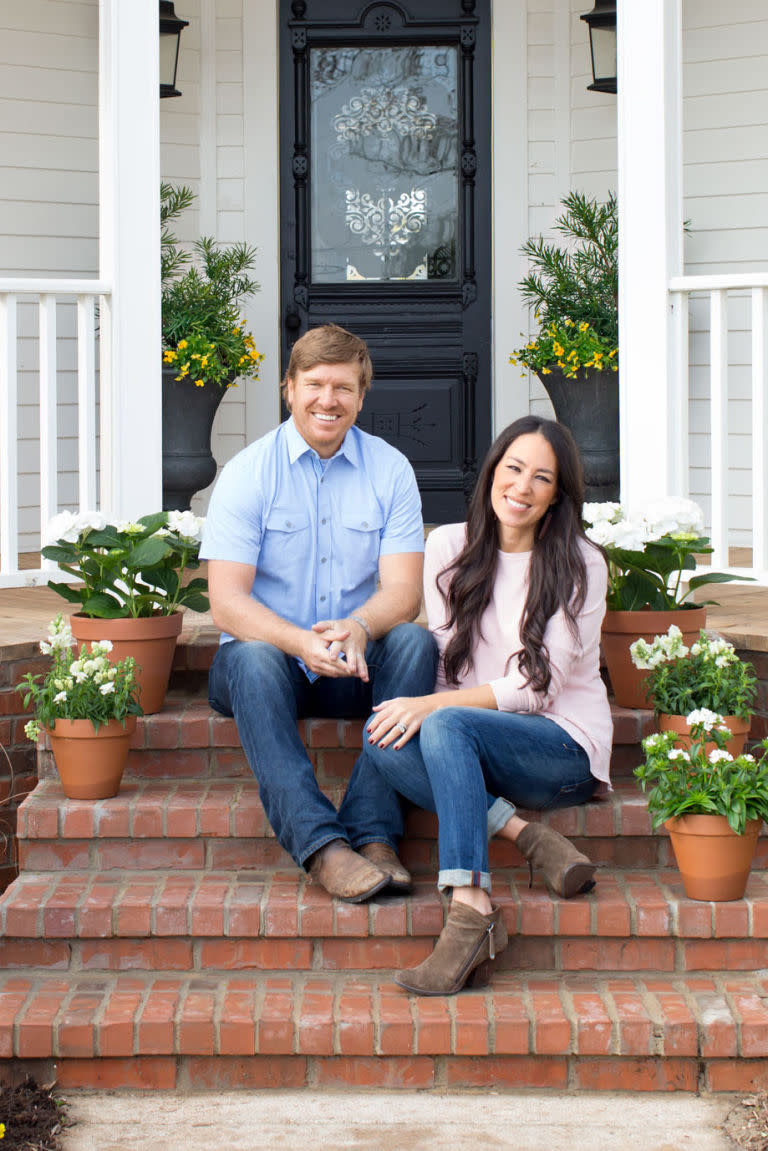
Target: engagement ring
[(401, 728)]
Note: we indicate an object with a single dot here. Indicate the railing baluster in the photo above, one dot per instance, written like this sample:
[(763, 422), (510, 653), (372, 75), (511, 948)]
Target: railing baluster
[(759, 429), (49, 440), (9, 485), (718, 407), (86, 402)]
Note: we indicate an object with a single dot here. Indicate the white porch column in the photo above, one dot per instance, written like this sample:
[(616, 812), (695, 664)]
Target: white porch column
[(129, 224), (650, 244)]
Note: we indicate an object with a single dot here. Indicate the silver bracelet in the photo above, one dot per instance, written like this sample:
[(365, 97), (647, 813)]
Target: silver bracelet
[(363, 624)]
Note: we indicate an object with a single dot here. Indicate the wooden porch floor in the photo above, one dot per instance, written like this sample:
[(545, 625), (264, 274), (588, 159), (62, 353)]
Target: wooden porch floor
[(741, 615)]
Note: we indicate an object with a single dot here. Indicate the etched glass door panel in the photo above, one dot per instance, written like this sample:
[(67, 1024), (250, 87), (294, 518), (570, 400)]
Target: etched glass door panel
[(384, 163)]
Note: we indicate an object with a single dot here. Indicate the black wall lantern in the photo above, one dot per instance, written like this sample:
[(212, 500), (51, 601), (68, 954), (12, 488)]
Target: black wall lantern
[(170, 35), (602, 43)]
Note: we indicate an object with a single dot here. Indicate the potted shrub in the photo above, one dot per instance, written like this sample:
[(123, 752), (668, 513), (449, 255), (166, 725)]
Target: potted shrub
[(133, 585), (206, 346), (707, 675), (711, 802), (573, 289), (88, 706), (650, 554)]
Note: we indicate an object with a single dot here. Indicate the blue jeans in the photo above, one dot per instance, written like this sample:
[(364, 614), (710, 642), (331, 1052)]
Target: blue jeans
[(267, 692), (472, 766)]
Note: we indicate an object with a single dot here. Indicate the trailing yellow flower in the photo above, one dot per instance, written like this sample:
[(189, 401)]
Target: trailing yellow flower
[(169, 356), (570, 347)]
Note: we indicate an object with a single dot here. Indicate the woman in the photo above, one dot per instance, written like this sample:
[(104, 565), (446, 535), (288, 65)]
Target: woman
[(515, 599)]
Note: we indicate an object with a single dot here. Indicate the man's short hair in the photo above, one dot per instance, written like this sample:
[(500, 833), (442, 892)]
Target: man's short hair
[(329, 344)]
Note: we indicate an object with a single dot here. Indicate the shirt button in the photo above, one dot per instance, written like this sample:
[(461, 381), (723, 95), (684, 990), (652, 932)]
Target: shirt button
[(323, 521), (324, 560), (322, 598), (289, 524), (365, 523)]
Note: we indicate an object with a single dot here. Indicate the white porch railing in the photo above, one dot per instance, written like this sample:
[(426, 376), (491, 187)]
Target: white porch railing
[(720, 326), (42, 322)]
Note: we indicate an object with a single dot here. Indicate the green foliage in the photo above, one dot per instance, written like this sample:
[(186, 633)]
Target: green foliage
[(84, 686), (204, 334), (128, 569), (572, 348), (576, 283), (708, 675), (697, 782)]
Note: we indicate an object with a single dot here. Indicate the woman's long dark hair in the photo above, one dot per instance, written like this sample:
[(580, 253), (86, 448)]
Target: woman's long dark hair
[(557, 574)]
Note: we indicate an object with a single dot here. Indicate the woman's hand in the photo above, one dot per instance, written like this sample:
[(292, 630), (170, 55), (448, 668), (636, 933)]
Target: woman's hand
[(398, 720)]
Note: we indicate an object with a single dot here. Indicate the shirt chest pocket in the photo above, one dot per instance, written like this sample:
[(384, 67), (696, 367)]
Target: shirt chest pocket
[(359, 542), (286, 539)]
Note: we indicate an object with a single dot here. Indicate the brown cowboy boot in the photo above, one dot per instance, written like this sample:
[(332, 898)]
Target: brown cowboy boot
[(344, 873), (566, 871), (385, 858), (468, 942)]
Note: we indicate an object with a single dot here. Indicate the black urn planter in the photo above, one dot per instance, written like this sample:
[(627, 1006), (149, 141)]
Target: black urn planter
[(589, 407), (188, 413)]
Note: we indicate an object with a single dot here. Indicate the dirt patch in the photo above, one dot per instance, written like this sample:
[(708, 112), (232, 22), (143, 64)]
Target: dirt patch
[(747, 1123), (31, 1117)]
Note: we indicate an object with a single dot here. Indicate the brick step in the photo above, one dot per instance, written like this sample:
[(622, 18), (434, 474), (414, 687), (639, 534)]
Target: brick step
[(217, 824), (187, 740), (197, 921), (311, 1029)]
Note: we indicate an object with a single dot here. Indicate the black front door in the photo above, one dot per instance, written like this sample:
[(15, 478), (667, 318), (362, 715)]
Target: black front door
[(385, 216)]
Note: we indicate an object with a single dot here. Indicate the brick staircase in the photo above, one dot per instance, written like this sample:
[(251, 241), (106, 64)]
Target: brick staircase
[(163, 939)]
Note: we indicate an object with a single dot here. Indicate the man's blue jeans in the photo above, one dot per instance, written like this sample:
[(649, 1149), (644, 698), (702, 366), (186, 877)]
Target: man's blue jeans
[(472, 765), (267, 692)]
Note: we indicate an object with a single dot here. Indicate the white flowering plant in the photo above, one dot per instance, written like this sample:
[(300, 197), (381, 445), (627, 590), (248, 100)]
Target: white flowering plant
[(703, 780), (79, 686), (651, 554), (128, 568), (709, 674)]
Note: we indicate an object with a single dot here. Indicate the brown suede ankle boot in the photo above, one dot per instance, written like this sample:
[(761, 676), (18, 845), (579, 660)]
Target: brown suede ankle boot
[(566, 871), (468, 940)]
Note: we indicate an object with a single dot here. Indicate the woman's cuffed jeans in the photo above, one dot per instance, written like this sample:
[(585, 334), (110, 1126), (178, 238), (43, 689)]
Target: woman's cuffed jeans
[(267, 692), (473, 766)]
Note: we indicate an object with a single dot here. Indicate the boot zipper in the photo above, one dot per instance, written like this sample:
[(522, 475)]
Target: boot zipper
[(491, 948)]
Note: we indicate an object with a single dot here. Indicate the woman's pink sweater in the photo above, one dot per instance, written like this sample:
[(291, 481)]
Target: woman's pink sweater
[(576, 699)]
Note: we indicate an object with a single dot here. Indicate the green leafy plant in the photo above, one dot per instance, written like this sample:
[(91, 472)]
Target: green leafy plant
[(79, 686), (651, 553), (574, 290), (703, 780), (204, 334), (708, 675), (128, 569)]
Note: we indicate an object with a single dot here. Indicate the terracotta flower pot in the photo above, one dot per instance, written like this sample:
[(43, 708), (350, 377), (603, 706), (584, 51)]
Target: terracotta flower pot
[(714, 862), (735, 745), (150, 641), (90, 761), (622, 628)]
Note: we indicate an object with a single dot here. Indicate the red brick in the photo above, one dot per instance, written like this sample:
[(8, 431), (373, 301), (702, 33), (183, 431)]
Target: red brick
[(23, 953), (512, 1026), (76, 1025), (717, 1030), (155, 1032), (396, 1029), (11, 1002), (355, 1020), (433, 1026), (537, 913), (196, 1029), (214, 811), (315, 1026), (594, 1029), (472, 1025), (208, 905), (573, 917), (694, 920), (162, 731), (376, 954), (636, 1075), (742, 1075), (116, 1028), (255, 954), (617, 955), (136, 955), (21, 907), (275, 1024), (732, 955), (731, 920), (94, 917), (222, 1073), (147, 816), (679, 1028), (508, 1072), (635, 1026), (114, 1074), (752, 1013), (281, 913), (35, 856), (171, 912), (59, 910), (151, 855), (133, 910), (244, 909), (389, 918), (409, 1074), (236, 1025), (182, 812), (322, 733), (77, 819), (223, 732)]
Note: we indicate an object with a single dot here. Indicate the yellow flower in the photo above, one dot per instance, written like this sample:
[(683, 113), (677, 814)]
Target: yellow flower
[(583, 326), (184, 372), (612, 354), (572, 355), (569, 323), (199, 383), (546, 371), (2, 1130), (204, 361), (169, 357), (558, 348), (181, 345)]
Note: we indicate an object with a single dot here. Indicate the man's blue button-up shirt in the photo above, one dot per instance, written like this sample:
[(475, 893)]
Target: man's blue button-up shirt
[(314, 529)]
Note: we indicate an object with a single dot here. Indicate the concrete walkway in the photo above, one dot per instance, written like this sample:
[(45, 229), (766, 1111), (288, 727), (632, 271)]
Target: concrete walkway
[(382, 1121)]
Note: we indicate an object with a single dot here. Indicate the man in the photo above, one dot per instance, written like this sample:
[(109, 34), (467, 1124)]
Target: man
[(300, 526)]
